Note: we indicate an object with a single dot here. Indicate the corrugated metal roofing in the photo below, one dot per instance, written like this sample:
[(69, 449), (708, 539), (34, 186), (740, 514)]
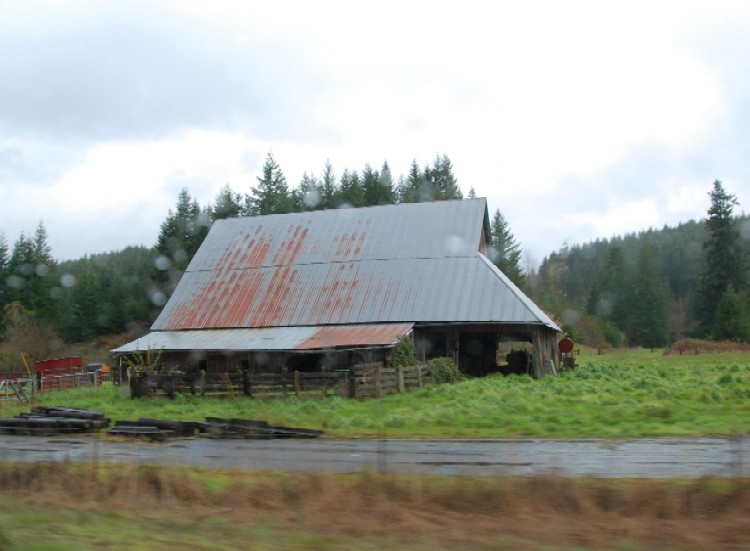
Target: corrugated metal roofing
[(398, 263), (288, 339)]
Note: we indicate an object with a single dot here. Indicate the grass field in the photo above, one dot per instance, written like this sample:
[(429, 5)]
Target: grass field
[(620, 394), (64, 507)]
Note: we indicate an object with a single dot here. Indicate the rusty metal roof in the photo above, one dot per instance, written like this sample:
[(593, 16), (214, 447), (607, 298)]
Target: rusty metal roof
[(389, 264), (288, 339)]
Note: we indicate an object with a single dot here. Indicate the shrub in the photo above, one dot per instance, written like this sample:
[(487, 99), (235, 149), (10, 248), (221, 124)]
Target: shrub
[(444, 370), (404, 353)]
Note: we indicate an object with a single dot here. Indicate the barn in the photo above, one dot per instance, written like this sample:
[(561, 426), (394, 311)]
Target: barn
[(324, 290)]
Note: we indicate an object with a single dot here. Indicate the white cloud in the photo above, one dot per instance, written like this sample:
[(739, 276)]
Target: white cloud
[(577, 120)]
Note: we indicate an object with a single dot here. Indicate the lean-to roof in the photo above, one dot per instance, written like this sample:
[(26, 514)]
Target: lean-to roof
[(270, 339)]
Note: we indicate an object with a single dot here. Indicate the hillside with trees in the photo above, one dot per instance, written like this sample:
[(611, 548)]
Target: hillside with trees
[(654, 287), (645, 289)]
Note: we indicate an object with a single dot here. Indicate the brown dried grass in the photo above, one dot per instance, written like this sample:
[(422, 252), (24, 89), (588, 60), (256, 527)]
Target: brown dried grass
[(698, 346), (534, 512)]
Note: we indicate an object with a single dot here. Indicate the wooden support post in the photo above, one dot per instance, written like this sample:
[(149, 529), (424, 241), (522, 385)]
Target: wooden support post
[(378, 375), (297, 388), (419, 376), (400, 372), (246, 390), (352, 382)]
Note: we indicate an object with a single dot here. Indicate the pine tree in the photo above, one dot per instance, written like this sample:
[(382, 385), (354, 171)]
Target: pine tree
[(505, 251), (732, 319), (350, 190), (607, 298), (329, 193), (442, 180), (4, 259), (228, 204), (650, 303), (377, 187), (43, 279), (387, 186), (411, 188), (370, 185), (180, 236), (271, 195), (724, 258), (307, 196)]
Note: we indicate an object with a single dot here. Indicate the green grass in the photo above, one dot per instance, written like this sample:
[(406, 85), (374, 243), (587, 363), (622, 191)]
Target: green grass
[(620, 394)]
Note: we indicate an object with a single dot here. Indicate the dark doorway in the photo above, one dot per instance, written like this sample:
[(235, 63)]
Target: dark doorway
[(477, 353)]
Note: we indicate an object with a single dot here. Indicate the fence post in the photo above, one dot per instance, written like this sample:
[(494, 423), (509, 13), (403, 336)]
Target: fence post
[(400, 371), (378, 381), (352, 382), (297, 389), (419, 376), (246, 382)]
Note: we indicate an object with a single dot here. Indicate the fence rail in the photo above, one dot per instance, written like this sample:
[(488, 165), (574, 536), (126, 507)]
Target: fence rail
[(17, 389), (69, 380), (359, 381)]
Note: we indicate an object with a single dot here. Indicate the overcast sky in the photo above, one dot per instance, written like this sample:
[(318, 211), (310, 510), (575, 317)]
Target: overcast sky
[(578, 120)]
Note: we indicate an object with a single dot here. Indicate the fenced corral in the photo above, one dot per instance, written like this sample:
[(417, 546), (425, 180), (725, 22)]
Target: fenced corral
[(69, 380), (17, 389), (360, 381), (22, 387)]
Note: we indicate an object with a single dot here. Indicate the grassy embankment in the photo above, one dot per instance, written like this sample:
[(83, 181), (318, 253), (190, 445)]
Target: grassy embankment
[(67, 507), (620, 394)]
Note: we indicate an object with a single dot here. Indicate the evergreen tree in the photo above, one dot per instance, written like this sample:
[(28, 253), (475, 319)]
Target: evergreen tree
[(724, 258), (32, 275), (442, 181), (307, 196), (650, 303), (180, 236), (183, 231), (472, 193), (350, 190), (44, 279), (271, 195), (607, 298), (732, 319), (228, 204), (505, 251), (329, 193), (84, 302), (377, 187), (4, 294), (411, 188), (387, 186), (20, 270)]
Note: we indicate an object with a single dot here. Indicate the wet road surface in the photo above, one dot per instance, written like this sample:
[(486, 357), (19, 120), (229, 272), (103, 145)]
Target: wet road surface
[(639, 458)]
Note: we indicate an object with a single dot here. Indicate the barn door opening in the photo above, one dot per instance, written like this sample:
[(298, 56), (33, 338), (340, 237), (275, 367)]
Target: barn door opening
[(477, 353)]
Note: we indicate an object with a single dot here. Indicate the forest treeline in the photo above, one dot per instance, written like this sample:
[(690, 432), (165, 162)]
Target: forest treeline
[(655, 287), (645, 289), (45, 302)]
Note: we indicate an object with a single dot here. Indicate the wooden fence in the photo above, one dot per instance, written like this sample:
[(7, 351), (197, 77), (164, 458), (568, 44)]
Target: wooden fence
[(360, 381)]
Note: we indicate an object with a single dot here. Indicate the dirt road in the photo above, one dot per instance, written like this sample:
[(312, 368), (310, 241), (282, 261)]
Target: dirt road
[(640, 458)]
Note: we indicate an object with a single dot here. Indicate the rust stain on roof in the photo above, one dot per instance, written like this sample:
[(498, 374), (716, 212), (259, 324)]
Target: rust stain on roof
[(385, 264)]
